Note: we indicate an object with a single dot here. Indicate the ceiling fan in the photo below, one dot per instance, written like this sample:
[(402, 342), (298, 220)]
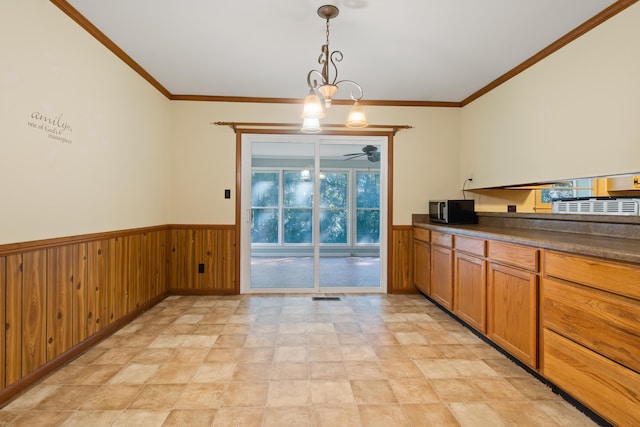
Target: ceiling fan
[(372, 153)]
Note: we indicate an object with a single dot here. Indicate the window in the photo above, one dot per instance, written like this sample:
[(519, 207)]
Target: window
[(368, 207), (282, 207)]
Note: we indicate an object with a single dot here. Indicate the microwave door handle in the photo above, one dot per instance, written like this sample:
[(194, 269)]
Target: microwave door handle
[(443, 211)]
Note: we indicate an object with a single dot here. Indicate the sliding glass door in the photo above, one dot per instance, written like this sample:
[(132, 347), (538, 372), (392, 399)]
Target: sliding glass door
[(311, 214)]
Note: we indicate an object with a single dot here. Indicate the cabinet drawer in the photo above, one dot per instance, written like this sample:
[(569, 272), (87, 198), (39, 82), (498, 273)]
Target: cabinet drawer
[(421, 234), (604, 386), (603, 322), (442, 239), (519, 256), (471, 245), (623, 279)]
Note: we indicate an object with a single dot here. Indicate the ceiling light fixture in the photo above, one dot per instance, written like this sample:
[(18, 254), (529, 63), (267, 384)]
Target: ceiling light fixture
[(326, 87)]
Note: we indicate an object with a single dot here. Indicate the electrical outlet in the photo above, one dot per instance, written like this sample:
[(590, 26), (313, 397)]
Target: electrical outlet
[(227, 194)]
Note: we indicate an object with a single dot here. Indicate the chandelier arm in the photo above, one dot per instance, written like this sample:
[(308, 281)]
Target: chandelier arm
[(355, 98), (315, 82), (336, 56)]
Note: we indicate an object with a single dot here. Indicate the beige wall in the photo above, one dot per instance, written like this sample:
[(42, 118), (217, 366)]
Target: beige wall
[(203, 155), (132, 158), (111, 173), (574, 114)]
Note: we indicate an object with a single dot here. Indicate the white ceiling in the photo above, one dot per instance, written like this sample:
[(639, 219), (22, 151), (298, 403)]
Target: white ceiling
[(397, 50)]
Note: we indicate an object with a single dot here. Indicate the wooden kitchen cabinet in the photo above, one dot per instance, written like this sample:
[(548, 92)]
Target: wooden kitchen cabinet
[(512, 312), (470, 290), (590, 312), (442, 269), (422, 260)]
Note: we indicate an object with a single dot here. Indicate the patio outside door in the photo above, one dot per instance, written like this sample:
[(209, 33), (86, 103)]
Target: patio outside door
[(312, 214)]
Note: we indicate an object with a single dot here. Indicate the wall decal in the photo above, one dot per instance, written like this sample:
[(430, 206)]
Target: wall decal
[(53, 126)]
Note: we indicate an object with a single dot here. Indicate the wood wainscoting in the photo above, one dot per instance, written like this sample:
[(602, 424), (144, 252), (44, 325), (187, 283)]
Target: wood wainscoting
[(400, 277), (60, 296)]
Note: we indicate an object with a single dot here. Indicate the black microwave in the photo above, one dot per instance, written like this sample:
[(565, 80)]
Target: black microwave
[(452, 211)]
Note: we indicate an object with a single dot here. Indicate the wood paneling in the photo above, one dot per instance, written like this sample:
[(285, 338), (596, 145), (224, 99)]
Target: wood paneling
[(80, 320), (34, 310), (122, 259), (400, 278), (13, 319), (226, 256), (214, 248), (3, 287), (57, 295), (59, 306)]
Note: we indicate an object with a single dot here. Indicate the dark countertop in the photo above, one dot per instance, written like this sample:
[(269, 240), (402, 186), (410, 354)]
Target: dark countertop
[(613, 248)]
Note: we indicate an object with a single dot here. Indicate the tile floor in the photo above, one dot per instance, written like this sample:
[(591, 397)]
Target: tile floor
[(283, 360)]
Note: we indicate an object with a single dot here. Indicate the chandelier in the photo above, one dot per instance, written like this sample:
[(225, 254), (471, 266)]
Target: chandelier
[(321, 85)]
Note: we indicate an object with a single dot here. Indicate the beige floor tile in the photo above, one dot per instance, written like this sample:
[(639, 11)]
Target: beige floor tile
[(189, 355), (66, 397), (457, 390), (238, 417), (296, 353), (193, 418), (326, 392), (157, 396), (256, 355), (533, 389), (248, 372), (32, 397), (373, 392), (230, 340), (41, 419), (174, 373), (240, 394), (113, 396), (327, 371), (281, 371), (135, 374), (288, 393), (201, 396), (153, 356), (364, 370), (324, 353), (430, 415), (477, 414), (287, 417), (413, 390), (400, 368), (211, 372), (335, 415), (204, 360), (522, 413), (222, 355), (141, 418), (382, 416), (91, 418)]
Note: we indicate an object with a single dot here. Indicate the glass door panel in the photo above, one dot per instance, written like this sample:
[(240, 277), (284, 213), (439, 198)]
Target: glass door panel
[(349, 211), (282, 195)]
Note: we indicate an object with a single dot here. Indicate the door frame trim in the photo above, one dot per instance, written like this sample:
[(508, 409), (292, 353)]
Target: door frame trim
[(388, 134)]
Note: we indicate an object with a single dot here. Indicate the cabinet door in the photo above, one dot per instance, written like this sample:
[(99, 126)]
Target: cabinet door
[(422, 266), (470, 290), (512, 312), (442, 275)]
